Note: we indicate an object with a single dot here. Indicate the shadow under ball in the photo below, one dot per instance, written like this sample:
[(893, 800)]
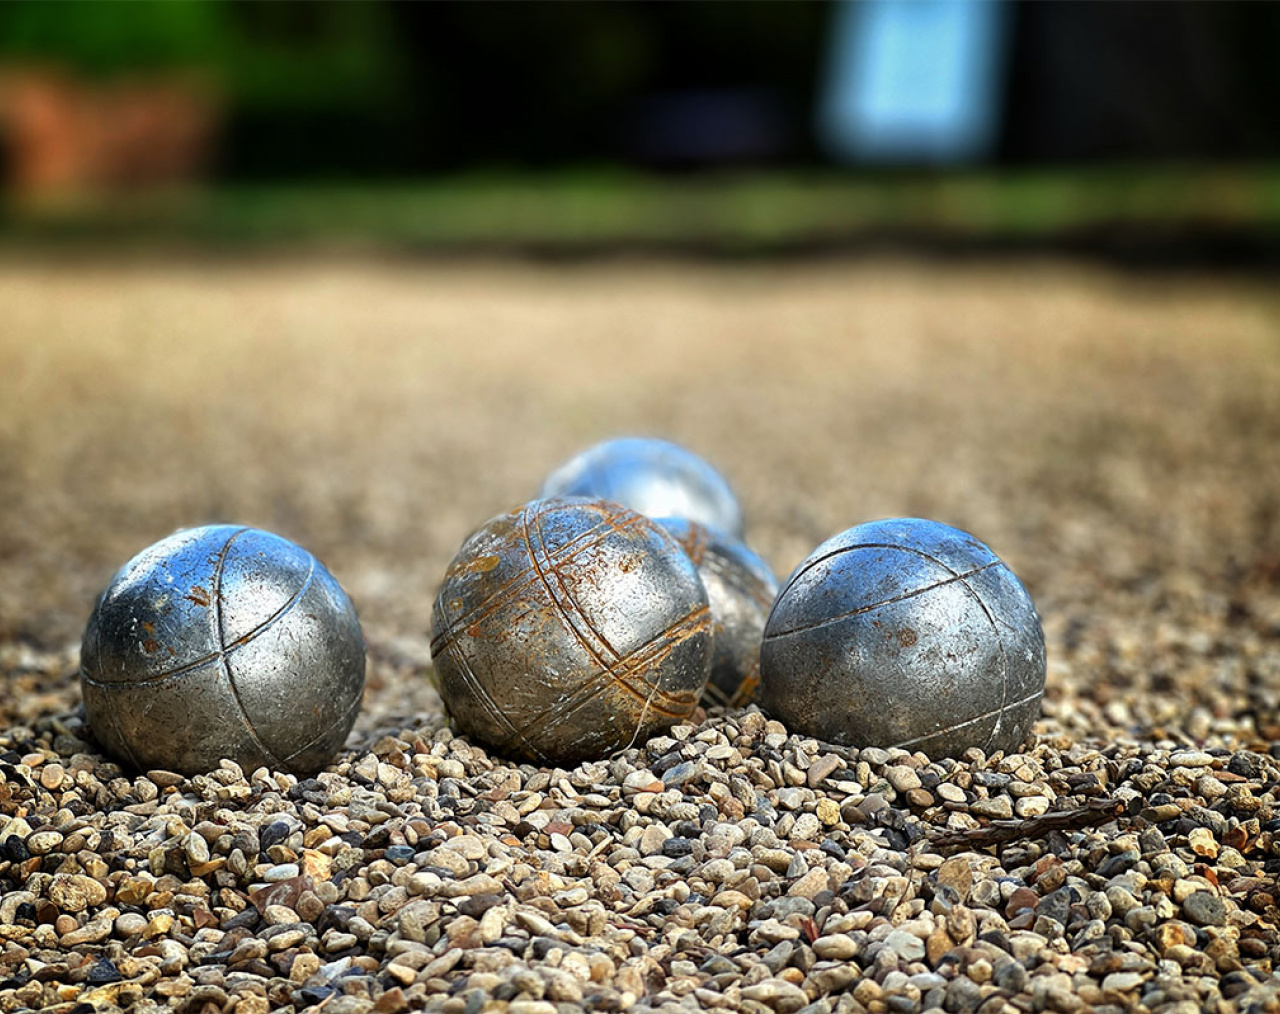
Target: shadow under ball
[(905, 633), (568, 629), (741, 589), (223, 642), (655, 477)]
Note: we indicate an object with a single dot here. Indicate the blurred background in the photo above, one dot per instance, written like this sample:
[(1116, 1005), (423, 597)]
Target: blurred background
[(363, 273), (1135, 127)]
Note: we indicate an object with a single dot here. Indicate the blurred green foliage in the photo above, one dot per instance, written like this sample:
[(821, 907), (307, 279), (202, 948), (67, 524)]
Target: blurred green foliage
[(107, 39), (584, 211), (263, 56)]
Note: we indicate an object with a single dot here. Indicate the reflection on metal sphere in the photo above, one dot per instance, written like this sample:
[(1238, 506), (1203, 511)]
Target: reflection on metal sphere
[(223, 642), (741, 588), (905, 633), (654, 477), (570, 628)]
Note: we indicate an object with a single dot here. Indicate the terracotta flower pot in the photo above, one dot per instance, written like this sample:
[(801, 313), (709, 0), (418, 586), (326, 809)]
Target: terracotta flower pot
[(68, 136)]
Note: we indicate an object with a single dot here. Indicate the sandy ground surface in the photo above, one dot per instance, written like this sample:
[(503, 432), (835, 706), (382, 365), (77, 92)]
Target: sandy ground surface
[(1113, 438), (1116, 438)]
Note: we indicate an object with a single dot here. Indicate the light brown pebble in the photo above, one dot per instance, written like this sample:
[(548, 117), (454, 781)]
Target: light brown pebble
[(950, 793), (51, 776), (92, 932), (1203, 843), (402, 974), (43, 842), (1032, 806), (652, 839), (480, 883), (821, 767), (902, 778), (304, 966), (468, 846), (777, 993), (998, 807), (809, 885), (279, 915), (75, 893), (838, 947)]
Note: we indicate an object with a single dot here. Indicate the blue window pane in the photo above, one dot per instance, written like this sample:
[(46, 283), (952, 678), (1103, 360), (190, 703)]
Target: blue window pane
[(914, 80)]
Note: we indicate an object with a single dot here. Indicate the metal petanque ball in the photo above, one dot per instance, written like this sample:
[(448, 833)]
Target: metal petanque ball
[(905, 633), (223, 642), (570, 628), (654, 477), (741, 588)]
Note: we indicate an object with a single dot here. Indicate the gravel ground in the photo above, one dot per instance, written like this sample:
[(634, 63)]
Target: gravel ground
[(1113, 437)]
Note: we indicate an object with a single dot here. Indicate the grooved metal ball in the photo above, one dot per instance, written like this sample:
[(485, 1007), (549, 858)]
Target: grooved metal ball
[(570, 628), (654, 477), (223, 642), (741, 588), (905, 633)]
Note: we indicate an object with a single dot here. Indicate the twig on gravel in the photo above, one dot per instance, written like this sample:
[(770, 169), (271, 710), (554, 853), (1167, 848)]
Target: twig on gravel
[(1001, 832)]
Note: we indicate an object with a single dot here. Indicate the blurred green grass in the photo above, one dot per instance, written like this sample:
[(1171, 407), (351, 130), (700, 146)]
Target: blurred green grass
[(583, 210)]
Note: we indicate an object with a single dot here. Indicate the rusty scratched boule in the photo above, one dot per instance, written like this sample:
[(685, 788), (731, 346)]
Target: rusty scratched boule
[(654, 477), (905, 633), (223, 642), (741, 588), (570, 628)]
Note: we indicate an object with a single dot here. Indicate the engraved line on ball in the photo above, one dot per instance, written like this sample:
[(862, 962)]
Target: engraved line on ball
[(826, 621), (743, 582), (204, 660), (960, 577), (500, 597), (319, 737), (655, 651), (995, 630), (569, 609), (454, 650), (683, 701), (220, 634), (1004, 660), (808, 565), (969, 721)]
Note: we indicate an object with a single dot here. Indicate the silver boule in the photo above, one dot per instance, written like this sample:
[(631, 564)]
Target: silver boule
[(905, 633), (654, 477), (223, 642), (567, 629), (741, 588)]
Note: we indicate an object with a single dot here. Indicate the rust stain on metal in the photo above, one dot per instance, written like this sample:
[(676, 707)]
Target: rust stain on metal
[(536, 655)]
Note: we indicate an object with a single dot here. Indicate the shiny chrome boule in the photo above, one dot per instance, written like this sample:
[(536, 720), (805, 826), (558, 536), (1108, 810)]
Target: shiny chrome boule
[(567, 629), (223, 642), (654, 477), (905, 633), (741, 588)]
